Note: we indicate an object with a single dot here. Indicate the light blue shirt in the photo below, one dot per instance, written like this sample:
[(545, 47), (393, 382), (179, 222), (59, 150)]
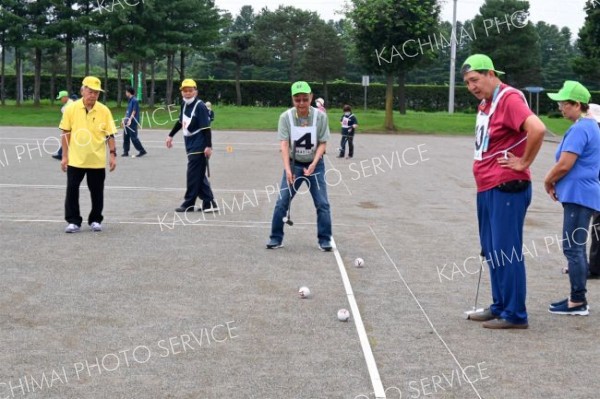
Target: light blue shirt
[(581, 184)]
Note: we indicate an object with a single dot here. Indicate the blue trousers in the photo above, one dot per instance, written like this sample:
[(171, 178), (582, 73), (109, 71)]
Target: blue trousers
[(131, 136), (501, 216), (197, 183)]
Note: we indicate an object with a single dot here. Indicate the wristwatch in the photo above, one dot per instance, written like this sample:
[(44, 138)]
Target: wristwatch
[(114, 152)]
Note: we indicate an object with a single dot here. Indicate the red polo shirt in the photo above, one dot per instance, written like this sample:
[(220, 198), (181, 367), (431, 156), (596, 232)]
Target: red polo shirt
[(505, 130)]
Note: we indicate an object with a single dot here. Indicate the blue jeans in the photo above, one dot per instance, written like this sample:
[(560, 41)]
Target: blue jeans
[(318, 191), (501, 216), (576, 221)]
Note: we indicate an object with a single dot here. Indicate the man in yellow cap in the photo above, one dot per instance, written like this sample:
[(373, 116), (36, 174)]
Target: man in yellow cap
[(508, 138), (65, 100), (303, 133), (88, 127), (195, 122)]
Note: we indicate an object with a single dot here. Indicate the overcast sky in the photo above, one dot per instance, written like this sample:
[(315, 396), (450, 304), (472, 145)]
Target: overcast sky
[(568, 13)]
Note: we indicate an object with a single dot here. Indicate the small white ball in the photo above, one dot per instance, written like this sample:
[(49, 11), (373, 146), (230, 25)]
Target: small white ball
[(304, 292), (359, 262), (343, 315)]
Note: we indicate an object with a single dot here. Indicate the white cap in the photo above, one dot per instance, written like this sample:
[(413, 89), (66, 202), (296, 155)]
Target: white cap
[(320, 101), (594, 112)]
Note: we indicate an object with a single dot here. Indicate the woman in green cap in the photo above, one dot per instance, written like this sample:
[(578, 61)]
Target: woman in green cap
[(573, 181)]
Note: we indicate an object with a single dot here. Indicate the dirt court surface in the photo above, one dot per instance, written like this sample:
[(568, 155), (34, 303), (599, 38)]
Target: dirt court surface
[(164, 305)]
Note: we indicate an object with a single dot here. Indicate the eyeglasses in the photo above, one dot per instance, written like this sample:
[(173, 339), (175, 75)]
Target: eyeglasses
[(302, 100)]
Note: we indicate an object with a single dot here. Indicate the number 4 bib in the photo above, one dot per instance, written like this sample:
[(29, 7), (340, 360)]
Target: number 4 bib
[(304, 137)]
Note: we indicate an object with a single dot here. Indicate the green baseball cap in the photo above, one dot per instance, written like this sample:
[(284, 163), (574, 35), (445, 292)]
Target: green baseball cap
[(573, 91), (300, 87), (61, 94), (479, 62)]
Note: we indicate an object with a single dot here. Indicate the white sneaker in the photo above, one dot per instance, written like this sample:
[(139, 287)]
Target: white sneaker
[(72, 228), (213, 208), (96, 226)]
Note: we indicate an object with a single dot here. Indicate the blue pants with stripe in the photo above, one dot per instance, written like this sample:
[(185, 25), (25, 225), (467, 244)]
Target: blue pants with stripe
[(501, 216)]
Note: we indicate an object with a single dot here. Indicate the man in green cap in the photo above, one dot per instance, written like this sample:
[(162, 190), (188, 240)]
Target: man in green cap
[(508, 136), (64, 98), (303, 133)]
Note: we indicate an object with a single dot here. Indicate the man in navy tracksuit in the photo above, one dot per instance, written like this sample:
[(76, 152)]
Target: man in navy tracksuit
[(195, 123)]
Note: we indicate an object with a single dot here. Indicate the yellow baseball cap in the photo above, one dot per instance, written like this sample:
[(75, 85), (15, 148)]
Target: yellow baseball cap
[(188, 83), (92, 82)]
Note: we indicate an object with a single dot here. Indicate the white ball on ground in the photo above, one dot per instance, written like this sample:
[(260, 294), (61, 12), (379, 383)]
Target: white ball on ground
[(343, 315), (359, 262), (304, 292)]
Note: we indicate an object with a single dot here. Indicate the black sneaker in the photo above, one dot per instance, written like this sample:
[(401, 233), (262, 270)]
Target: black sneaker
[(565, 302), (272, 244), (593, 276), (124, 154), (141, 154), (184, 209), (581, 310), (56, 156)]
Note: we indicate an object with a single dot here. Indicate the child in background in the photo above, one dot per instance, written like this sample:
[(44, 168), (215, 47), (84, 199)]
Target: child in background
[(320, 104), (349, 125), (211, 113)]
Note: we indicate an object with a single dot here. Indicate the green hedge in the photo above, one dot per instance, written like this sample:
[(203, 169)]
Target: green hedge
[(270, 94)]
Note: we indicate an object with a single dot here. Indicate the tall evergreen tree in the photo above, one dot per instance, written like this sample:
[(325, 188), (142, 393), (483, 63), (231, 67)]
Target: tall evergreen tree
[(588, 63)]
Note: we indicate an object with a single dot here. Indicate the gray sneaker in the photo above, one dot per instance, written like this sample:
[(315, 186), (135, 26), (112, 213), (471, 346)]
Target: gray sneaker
[(486, 315), (72, 228)]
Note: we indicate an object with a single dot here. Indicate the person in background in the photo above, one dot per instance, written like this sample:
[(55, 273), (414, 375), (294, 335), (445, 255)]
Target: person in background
[(349, 125), (320, 104), (594, 272), (211, 113), (64, 98), (197, 136), (130, 124)]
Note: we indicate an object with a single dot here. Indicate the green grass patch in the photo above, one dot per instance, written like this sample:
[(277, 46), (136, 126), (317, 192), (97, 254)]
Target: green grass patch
[(266, 119)]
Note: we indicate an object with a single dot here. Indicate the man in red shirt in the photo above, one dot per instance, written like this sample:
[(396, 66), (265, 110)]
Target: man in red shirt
[(508, 137)]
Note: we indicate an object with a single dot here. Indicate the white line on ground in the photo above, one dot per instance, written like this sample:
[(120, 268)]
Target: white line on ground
[(342, 180), (362, 334), (423, 310)]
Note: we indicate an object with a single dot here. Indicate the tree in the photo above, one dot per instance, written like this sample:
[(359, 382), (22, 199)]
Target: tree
[(503, 32), (66, 16), (40, 39), (588, 64), (385, 24), (324, 55), (14, 16), (239, 46), (282, 35), (556, 53)]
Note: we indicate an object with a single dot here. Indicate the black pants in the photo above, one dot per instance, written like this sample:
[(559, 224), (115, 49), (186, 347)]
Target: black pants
[(197, 183), (595, 247), (131, 135), (350, 140), (95, 183)]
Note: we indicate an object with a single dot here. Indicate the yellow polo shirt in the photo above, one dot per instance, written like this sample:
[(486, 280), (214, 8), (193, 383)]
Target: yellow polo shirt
[(89, 130)]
